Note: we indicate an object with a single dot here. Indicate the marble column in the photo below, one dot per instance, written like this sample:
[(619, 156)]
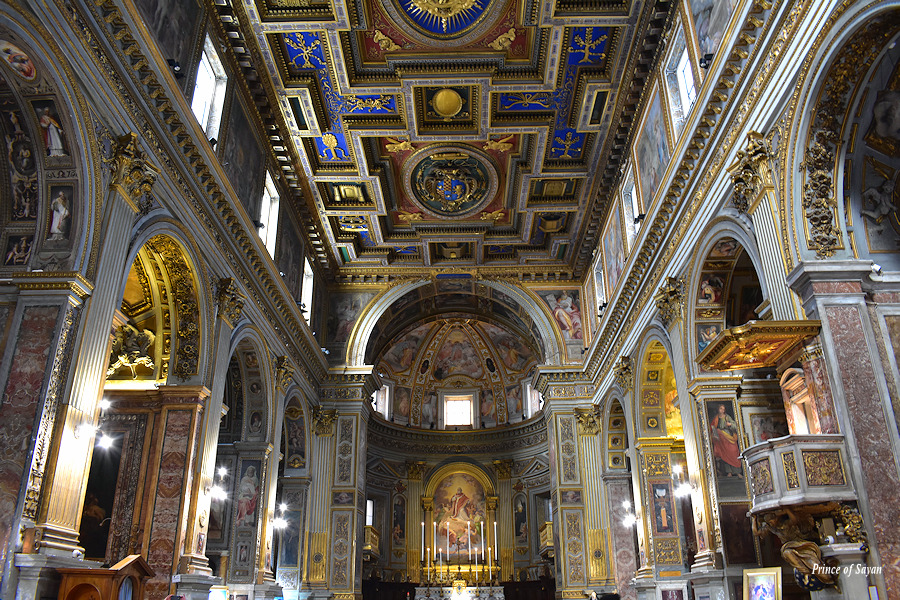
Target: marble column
[(66, 475), (506, 543), (321, 461), (835, 292), (229, 311), (43, 328), (670, 302), (173, 453), (415, 517), (337, 542), (598, 545), (622, 536)]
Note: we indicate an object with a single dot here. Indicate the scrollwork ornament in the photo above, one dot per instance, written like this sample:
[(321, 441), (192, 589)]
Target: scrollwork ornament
[(624, 374), (131, 171), (231, 301), (670, 300), (324, 420), (416, 470)]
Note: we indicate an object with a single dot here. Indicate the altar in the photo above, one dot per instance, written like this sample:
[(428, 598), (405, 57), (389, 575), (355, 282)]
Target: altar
[(459, 591)]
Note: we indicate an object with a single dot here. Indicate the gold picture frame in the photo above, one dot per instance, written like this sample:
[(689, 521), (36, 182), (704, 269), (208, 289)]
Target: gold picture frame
[(762, 584)]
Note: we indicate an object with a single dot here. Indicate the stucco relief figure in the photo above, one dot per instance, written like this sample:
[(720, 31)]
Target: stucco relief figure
[(886, 114), (881, 199), (724, 436), (248, 494)]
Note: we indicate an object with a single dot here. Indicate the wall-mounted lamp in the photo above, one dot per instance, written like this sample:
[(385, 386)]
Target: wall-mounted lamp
[(176, 68), (213, 141), (84, 430), (681, 483), (630, 519), (706, 61)]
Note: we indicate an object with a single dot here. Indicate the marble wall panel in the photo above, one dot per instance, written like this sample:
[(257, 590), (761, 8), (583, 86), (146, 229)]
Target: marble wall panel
[(622, 539), (866, 414), (31, 359)]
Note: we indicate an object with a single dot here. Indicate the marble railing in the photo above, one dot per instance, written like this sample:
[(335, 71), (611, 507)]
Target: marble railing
[(798, 469)]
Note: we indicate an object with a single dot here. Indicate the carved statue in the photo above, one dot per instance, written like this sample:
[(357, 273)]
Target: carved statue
[(794, 532), (131, 348)]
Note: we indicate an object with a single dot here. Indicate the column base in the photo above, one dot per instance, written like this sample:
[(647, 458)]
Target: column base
[(194, 586), (37, 576), (195, 564), (706, 561), (852, 581), (709, 584), (57, 541), (645, 587), (269, 591)]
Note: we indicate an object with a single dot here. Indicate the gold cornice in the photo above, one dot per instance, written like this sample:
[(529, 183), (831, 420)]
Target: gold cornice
[(46, 281)]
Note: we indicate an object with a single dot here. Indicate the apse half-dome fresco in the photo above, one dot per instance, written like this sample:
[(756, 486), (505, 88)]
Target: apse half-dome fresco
[(463, 354)]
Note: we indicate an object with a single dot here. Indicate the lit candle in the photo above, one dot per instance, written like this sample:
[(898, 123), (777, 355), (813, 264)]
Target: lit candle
[(448, 540), (490, 563), (434, 538), (423, 540), (496, 541), (469, 540)]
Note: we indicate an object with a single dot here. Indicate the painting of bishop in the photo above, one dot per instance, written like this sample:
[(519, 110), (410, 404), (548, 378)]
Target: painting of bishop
[(459, 500)]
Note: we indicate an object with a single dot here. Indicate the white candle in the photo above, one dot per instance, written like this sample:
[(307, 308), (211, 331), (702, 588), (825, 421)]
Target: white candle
[(448, 541), (469, 540), (482, 540), (490, 563), (423, 540), (434, 538)]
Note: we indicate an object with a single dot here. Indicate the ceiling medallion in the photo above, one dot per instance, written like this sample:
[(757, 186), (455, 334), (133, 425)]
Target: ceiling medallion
[(445, 20), (450, 181), (446, 103)]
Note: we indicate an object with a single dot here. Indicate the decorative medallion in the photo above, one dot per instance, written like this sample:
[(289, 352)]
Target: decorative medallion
[(453, 182), (445, 19)]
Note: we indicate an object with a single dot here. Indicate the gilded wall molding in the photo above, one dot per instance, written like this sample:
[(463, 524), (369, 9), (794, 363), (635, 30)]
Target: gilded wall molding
[(284, 373), (132, 173)]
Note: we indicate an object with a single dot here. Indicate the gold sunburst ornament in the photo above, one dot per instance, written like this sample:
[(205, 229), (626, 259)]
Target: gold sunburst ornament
[(445, 10)]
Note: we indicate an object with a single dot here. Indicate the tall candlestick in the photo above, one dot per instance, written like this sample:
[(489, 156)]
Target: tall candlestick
[(469, 540), (423, 540), (434, 539), (448, 542)]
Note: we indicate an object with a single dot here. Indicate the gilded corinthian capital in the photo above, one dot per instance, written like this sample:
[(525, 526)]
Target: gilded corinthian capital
[(131, 171)]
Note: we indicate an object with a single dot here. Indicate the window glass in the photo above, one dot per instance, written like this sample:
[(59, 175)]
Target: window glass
[(209, 90), (268, 215), (458, 410)]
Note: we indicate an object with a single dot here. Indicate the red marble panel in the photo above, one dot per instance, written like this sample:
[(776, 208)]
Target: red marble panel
[(171, 481), (836, 287), (22, 396), (820, 389), (623, 540), (866, 413)]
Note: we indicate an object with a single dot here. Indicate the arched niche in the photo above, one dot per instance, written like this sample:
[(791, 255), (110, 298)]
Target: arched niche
[(368, 323), (463, 501), (726, 289), (659, 409), (834, 155)]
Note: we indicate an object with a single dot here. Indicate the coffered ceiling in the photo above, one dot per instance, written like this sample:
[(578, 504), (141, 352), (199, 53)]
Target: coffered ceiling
[(459, 135)]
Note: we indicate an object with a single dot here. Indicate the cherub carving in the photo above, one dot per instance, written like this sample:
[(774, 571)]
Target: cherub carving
[(131, 348)]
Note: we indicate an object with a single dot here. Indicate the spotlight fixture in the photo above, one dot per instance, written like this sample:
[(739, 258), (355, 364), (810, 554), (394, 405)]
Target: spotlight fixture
[(213, 141), (223, 471), (106, 442), (105, 404), (279, 523), (176, 68), (639, 218), (682, 484), (258, 224), (706, 61), (630, 518)]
